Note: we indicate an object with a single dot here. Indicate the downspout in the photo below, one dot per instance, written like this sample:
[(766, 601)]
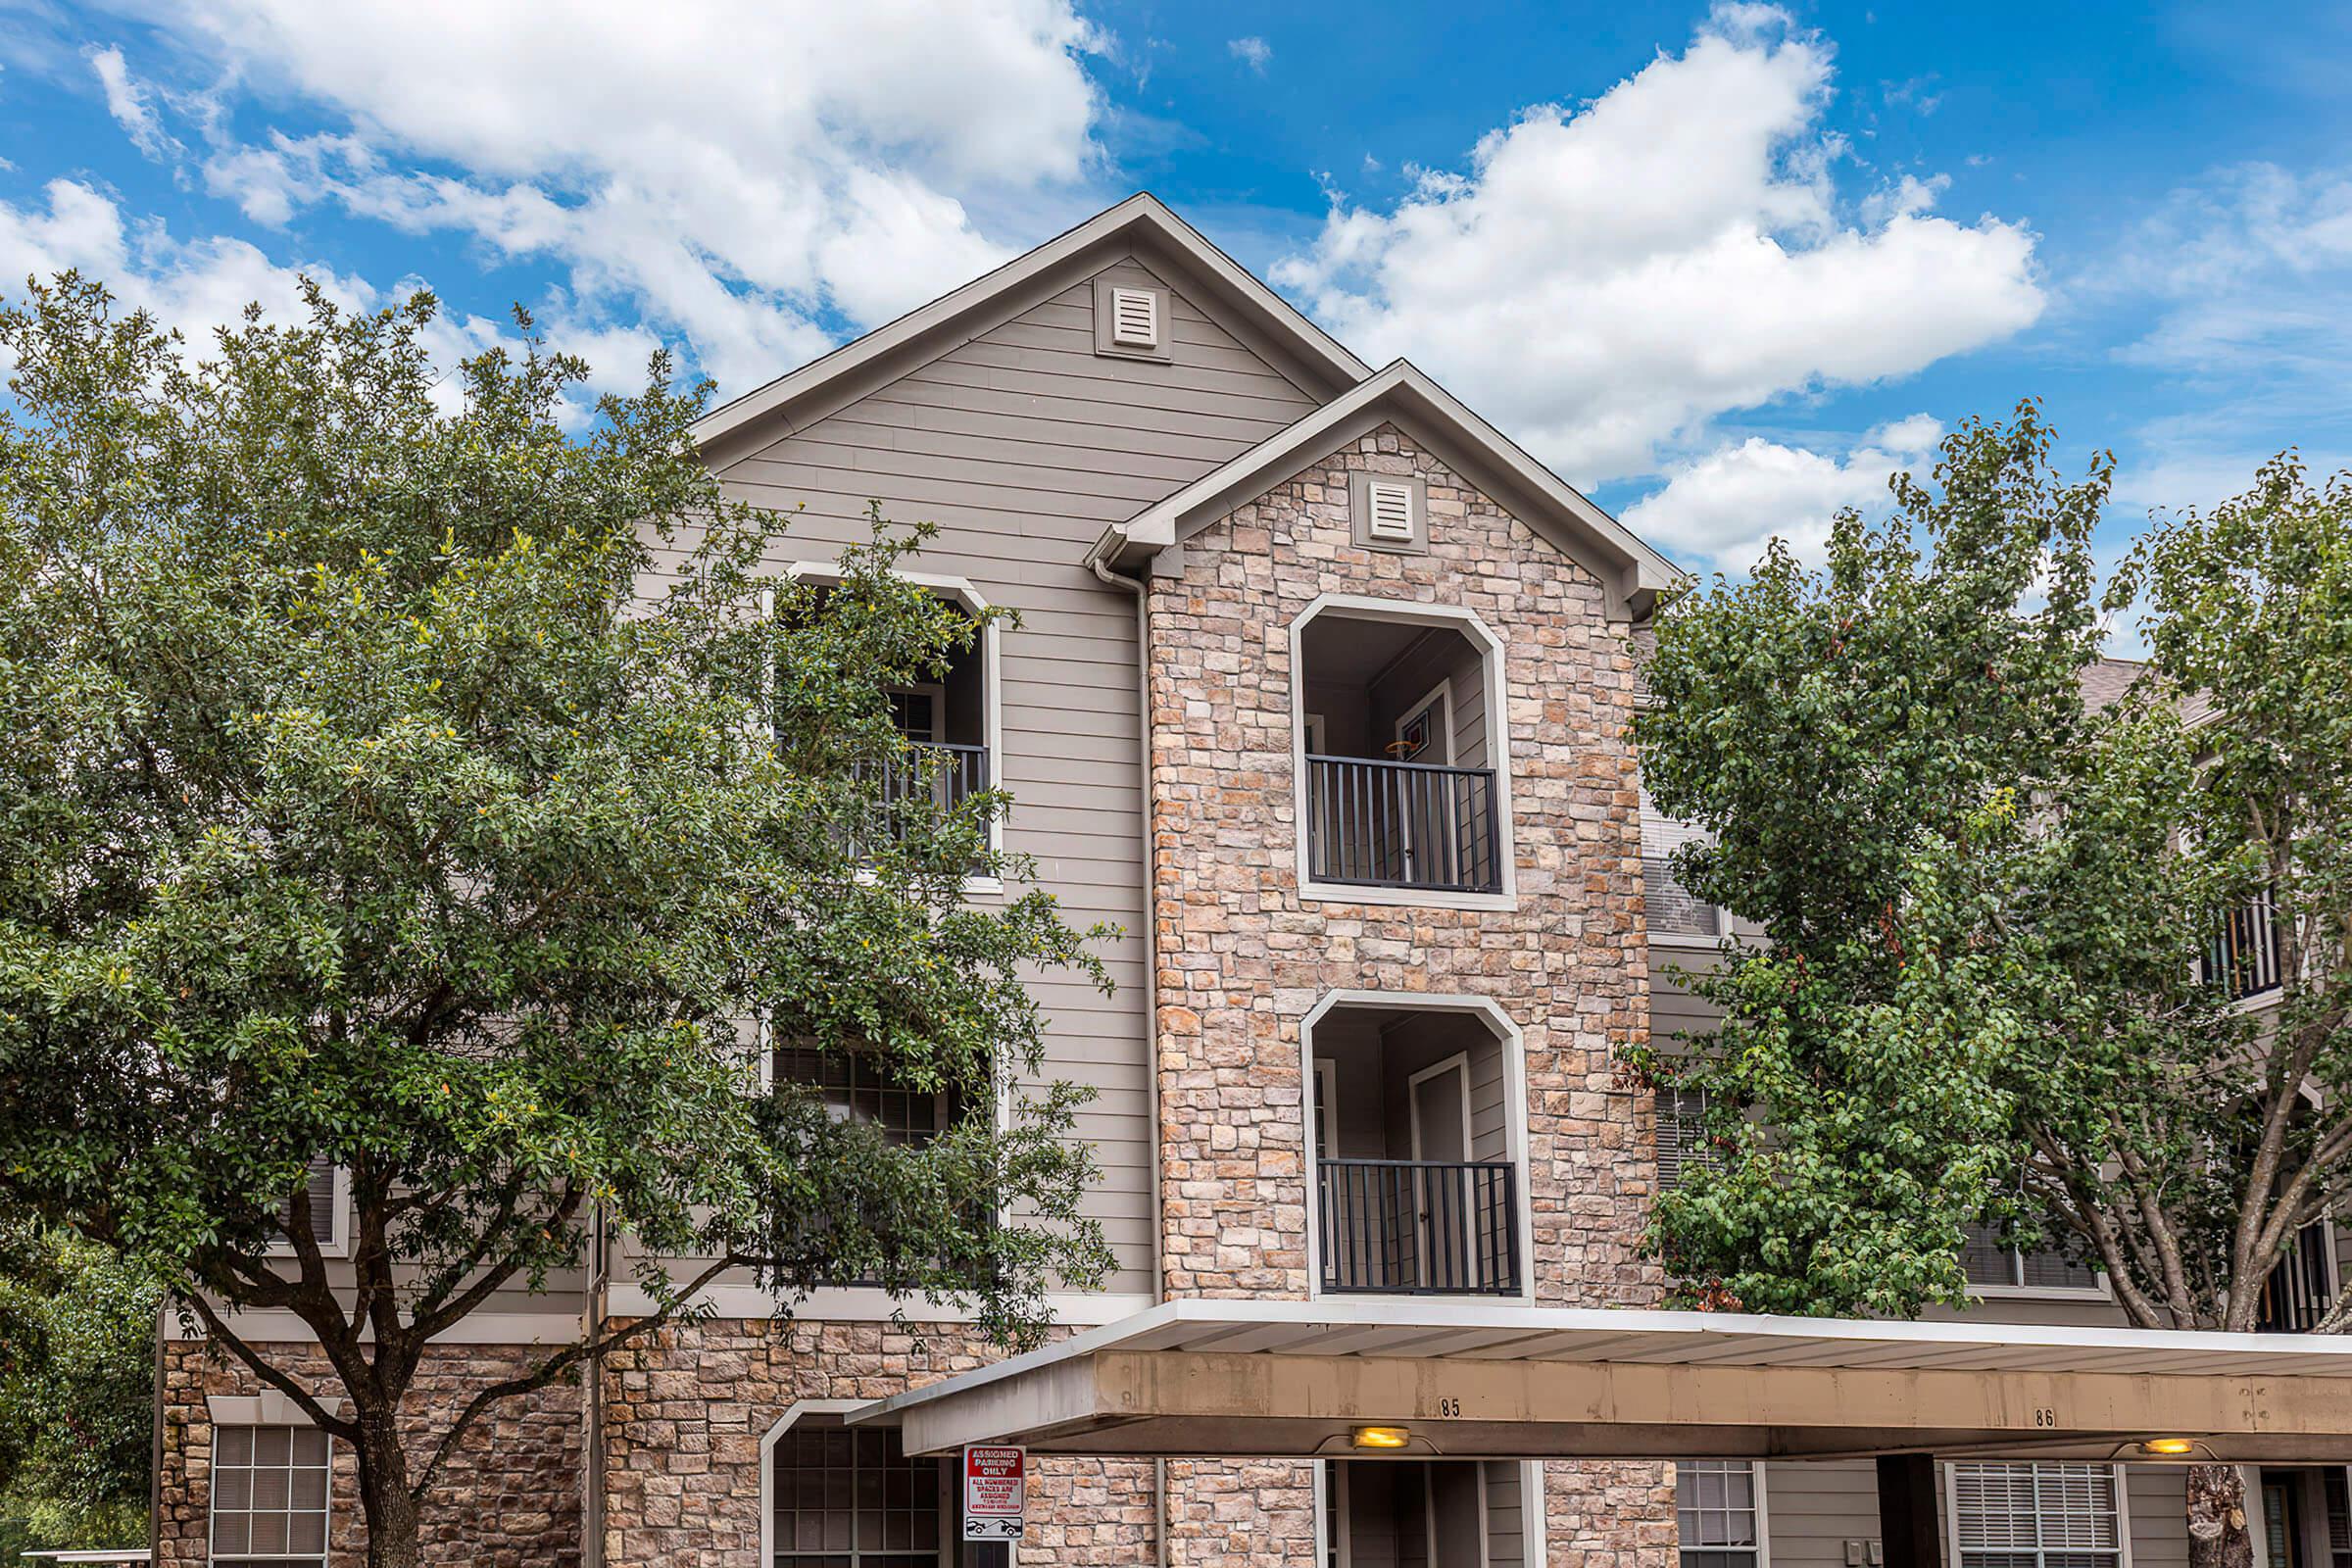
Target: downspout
[(1150, 937)]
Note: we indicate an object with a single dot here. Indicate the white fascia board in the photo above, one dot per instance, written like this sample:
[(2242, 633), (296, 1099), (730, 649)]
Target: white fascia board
[(1401, 387)]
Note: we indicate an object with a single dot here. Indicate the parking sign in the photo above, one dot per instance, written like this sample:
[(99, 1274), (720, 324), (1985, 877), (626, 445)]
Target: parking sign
[(995, 1492)]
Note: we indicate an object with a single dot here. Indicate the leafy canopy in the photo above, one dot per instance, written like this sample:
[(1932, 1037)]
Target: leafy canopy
[(1977, 991), (398, 778)]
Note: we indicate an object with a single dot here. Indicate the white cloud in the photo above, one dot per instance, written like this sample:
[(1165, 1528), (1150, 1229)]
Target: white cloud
[(194, 286), (1250, 52), (1720, 509), (126, 101), (744, 176), (1609, 277)]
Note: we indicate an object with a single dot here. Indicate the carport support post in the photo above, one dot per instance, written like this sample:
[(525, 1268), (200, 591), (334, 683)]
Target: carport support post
[(1907, 1512)]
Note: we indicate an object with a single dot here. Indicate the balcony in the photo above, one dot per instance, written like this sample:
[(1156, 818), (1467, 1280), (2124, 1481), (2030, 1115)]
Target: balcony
[(1377, 824), (2243, 954), (1398, 779), (2297, 1294), (1406, 1227), (1419, 1184)]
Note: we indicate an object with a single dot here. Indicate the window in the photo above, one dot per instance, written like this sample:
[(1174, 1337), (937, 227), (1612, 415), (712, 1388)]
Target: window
[(1991, 1263), (857, 1088), (1719, 1512), (1672, 909), (854, 1499), (322, 1196), (270, 1495), (1683, 1135), (2036, 1516)]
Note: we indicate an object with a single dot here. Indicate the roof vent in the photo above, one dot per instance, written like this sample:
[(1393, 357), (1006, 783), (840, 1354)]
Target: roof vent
[(1390, 504), (1135, 318)]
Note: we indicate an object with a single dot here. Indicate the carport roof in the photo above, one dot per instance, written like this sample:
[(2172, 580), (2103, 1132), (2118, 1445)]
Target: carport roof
[(1280, 1377)]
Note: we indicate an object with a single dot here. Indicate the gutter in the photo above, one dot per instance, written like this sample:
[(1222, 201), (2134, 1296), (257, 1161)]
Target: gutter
[(1151, 940)]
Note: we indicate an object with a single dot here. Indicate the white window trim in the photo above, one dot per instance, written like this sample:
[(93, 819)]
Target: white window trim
[(992, 683), (1949, 1485), (1331, 1534), (2101, 1291), (1757, 1469), (1515, 1117), (1493, 663), (211, 1498), (768, 1477), (340, 1202)]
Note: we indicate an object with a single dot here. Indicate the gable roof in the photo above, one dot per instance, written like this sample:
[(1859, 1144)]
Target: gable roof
[(1141, 223), (1632, 571)]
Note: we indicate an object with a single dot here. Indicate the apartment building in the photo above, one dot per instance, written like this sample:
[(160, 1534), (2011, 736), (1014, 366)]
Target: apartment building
[(1319, 691)]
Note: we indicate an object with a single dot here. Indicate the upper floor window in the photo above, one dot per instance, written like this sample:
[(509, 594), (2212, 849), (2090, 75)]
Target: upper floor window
[(1398, 717), (2003, 1266), (270, 1495), (2036, 1516), (1672, 910), (949, 723), (324, 1198), (1719, 1513), (855, 1087), (1683, 1139)]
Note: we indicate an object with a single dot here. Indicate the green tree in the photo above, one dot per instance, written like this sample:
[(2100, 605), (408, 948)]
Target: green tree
[(1984, 993), (76, 1392), (363, 802)]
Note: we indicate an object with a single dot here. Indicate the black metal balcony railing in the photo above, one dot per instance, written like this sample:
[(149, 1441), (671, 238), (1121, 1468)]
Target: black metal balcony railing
[(1404, 1227), (1374, 823), (2296, 1295), (928, 776), (2243, 956)]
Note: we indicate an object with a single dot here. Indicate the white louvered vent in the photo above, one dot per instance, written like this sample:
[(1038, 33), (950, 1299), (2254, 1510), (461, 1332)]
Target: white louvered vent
[(1392, 507), (1135, 318)]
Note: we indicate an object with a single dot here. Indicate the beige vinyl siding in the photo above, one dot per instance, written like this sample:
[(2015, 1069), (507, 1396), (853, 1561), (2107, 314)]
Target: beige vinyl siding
[(1022, 445), (1507, 1522), (1812, 1510)]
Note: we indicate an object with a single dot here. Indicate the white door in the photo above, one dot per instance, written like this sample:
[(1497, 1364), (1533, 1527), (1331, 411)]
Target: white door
[(1440, 1098), (1421, 801)]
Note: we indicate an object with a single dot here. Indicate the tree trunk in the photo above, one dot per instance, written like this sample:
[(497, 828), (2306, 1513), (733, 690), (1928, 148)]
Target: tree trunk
[(2219, 1536), (385, 1502)]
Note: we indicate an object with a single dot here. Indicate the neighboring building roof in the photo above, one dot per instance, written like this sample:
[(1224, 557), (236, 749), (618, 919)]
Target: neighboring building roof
[(1141, 223), (1634, 572)]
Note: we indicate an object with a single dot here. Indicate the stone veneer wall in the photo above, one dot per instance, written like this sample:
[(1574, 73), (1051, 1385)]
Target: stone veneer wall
[(686, 1412), (1242, 958), (509, 1498)]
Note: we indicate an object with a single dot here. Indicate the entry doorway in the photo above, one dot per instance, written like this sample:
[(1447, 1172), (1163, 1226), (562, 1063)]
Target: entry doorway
[(1412, 1513)]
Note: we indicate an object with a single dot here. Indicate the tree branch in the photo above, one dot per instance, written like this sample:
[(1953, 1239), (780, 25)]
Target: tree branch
[(554, 1367), (303, 1399)]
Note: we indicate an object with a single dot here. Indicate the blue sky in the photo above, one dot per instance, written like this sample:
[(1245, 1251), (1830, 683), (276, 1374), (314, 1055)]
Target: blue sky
[(1723, 266)]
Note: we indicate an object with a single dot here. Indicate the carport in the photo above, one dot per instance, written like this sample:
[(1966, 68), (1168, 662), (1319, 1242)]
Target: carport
[(1213, 1379)]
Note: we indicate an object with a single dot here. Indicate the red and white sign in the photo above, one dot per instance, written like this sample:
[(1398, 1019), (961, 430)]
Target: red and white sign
[(996, 1493)]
